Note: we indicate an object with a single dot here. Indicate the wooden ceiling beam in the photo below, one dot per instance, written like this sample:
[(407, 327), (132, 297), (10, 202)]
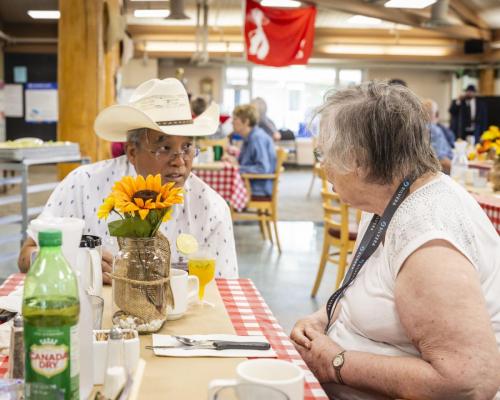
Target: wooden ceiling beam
[(468, 14), (402, 17)]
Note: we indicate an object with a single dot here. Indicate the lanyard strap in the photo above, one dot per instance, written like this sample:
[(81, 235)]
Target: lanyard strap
[(369, 243)]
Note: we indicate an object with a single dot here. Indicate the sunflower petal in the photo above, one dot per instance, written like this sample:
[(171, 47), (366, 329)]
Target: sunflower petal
[(150, 182), (167, 216), (140, 183), (143, 213), (139, 202), (157, 183)]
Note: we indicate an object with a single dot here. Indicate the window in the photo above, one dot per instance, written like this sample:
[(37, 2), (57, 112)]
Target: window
[(349, 77), (291, 93), (237, 76)]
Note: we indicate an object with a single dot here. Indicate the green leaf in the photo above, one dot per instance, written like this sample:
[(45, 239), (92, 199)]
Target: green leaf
[(130, 227)]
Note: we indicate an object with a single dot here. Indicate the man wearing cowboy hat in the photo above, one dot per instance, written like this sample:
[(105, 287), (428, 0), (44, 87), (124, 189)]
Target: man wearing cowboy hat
[(159, 131)]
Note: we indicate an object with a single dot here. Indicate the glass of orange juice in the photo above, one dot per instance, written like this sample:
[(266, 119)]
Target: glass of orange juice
[(202, 265)]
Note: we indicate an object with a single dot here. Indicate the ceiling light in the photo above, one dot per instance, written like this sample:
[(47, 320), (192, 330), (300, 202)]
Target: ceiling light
[(362, 20), (190, 47), (44, 14), (281, 3), (409, 3), (151, 13), (391, 50)]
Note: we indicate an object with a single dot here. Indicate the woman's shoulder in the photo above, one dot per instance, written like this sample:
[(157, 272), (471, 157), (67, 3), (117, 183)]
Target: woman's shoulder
[(440, 209)]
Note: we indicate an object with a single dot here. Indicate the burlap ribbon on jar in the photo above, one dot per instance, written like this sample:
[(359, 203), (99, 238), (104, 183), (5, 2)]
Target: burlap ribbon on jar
[(141, 281)]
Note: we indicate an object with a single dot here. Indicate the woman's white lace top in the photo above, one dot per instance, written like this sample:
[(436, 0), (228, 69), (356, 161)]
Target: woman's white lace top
[(441, 209)]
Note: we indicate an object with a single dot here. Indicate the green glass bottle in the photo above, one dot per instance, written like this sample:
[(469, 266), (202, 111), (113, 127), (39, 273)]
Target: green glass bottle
[(51, 308)]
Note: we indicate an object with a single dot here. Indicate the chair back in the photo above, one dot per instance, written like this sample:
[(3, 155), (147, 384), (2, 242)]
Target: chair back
[(281, 156), (320, 171), (336, 214)]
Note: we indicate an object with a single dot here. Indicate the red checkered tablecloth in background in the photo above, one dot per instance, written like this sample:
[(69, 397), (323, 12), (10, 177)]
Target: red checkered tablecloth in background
[(228, 183), (11, 283), (491, 206), (250, 315)]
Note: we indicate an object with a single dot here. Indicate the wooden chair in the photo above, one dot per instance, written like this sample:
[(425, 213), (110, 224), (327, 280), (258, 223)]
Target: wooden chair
[(264, 209), (338, 232)]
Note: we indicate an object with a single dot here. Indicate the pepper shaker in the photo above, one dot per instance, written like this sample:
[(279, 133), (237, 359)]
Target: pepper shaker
[(16, 349)]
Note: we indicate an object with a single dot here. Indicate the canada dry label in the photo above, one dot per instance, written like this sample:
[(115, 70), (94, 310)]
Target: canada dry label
[(52, 358)]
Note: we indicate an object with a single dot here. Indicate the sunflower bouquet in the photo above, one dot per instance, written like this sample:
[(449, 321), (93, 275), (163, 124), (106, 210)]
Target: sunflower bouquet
[(141, 269), (490, 142), (142, 204)]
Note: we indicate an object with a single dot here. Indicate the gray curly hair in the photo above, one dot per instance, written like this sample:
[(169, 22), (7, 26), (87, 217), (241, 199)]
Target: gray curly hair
[(380, 128)]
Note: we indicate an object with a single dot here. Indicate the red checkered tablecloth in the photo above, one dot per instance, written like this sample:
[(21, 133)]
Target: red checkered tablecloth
[(250, 315), (11, 283), (491, 206), (228, 183)]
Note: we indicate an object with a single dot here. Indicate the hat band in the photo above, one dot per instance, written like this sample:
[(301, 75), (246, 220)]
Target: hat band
[(175, 122)]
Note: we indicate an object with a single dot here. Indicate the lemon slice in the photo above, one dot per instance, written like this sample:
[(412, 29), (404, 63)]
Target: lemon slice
[(186, 243)]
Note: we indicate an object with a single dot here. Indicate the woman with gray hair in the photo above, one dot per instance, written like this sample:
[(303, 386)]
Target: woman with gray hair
[(418, 313)]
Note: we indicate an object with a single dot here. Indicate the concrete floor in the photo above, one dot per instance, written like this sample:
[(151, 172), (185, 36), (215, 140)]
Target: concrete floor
[(285, 281)]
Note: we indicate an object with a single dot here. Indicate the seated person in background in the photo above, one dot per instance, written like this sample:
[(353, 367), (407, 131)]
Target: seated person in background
[(257, 155), (159, 141), (421, 319), (265, 123), (439, 141)]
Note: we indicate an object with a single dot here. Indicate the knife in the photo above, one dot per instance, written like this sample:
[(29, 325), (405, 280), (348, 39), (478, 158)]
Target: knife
[(219, 345)]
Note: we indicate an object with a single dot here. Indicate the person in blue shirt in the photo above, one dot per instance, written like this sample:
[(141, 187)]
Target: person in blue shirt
[(257, 155), (439, 140)]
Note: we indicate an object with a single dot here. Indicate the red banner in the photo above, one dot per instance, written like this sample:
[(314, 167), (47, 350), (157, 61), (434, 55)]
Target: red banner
[(279, 36)]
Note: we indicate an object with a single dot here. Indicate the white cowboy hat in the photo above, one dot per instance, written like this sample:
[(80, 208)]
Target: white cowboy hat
[(162, 105)]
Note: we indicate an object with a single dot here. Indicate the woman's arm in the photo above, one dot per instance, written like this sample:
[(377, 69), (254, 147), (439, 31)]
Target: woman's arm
[(442, 308)]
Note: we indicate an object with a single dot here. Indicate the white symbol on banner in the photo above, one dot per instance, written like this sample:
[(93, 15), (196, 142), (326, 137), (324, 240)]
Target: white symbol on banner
[(259, 45), (300, 51)]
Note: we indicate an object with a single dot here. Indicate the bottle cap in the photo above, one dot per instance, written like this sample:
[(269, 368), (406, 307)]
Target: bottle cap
[(18, 321), (50, 238), (115, 333)]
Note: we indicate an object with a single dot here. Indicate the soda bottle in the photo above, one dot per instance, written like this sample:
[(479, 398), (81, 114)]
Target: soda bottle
[(51, 308)]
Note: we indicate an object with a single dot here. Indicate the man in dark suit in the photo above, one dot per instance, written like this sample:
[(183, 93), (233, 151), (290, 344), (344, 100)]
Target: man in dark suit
[(468, 115)]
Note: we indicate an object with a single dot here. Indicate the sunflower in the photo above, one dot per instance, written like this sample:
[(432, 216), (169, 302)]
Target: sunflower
[(142, 195), (106, 207)]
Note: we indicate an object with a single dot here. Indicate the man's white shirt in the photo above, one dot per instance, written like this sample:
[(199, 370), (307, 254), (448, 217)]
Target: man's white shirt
[(204, 213)]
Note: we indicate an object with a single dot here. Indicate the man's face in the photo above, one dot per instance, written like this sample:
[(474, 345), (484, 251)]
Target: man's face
[(158, 153), (470, 94)]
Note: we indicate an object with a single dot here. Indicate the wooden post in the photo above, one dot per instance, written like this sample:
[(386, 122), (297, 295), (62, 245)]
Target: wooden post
[(487, 81), (81, 74)]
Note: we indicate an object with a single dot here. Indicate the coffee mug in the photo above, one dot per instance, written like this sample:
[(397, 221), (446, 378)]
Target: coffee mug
[(185, 290), (281, 375)]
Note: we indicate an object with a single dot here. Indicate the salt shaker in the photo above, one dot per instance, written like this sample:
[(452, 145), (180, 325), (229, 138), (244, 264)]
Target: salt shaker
[(116, 374), (16, 350)]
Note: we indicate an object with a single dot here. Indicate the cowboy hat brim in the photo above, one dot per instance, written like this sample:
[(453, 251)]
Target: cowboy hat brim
[(114, 122)]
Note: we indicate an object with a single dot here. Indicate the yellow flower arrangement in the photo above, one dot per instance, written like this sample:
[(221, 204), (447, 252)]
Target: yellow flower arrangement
[(490, 141), (142, 204)]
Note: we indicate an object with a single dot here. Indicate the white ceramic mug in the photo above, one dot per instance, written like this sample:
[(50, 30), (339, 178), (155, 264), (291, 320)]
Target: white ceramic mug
[(185, 290), (278, 374)]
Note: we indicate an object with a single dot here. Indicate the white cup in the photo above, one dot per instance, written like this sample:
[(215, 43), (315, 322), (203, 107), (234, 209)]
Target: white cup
[(278, 374), (185, 290)]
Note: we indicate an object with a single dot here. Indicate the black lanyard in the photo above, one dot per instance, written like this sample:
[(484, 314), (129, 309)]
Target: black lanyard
[(369, 243)]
